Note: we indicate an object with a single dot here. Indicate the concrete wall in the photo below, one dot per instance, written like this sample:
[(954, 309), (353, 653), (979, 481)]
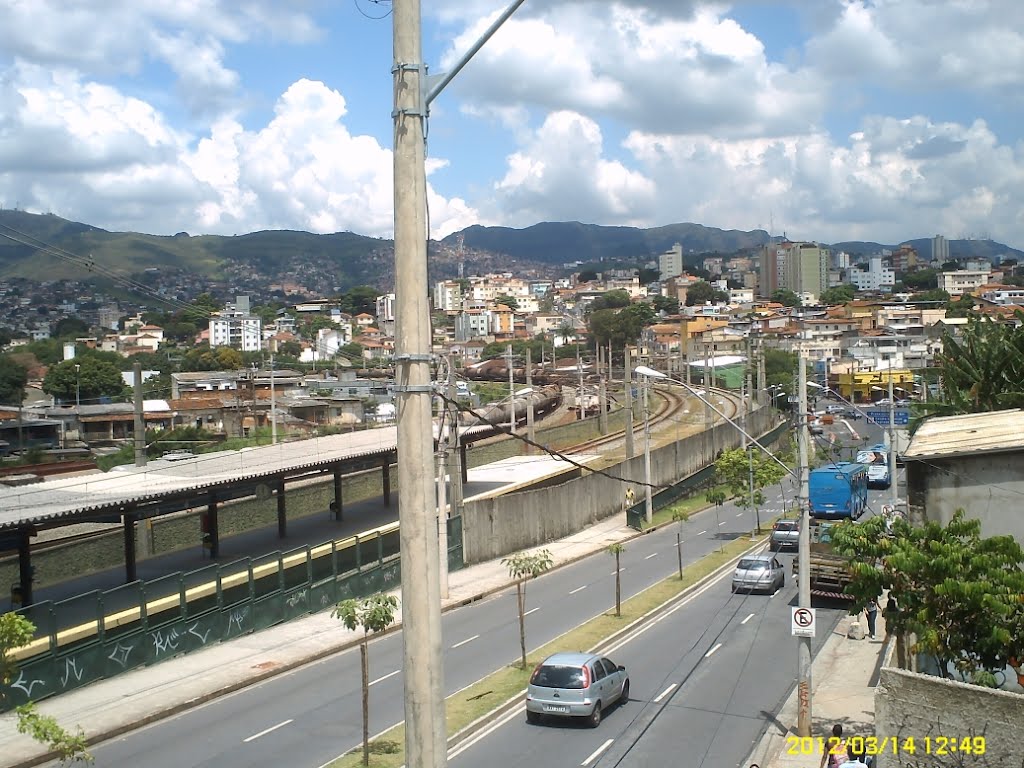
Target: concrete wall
[(908, 704), (987, 486), (497, 526)]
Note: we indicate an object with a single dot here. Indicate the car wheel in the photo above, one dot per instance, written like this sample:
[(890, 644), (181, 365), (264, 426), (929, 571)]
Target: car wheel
[(782, 581), (532, 717), (773, 547), (595, 717), (624, 697)]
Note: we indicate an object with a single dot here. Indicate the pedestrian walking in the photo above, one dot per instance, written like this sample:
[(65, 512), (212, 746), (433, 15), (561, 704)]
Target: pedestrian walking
[(889, 614), (872, 614), (835, 753)]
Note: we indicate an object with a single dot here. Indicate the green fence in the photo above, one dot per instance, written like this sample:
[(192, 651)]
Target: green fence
[(102, 634)]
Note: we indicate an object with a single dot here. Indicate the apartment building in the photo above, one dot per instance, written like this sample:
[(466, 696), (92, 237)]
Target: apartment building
[(961, 281), (876, 277), (670, 263), (234, 326), (448, 296)]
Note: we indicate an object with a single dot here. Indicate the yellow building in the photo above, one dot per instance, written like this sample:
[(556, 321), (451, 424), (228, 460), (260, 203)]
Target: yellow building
[(868, 386)]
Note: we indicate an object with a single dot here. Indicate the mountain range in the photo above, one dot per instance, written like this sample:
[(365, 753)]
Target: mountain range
[(46, 247)]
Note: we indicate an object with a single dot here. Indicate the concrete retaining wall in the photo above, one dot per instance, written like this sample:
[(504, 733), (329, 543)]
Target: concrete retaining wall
[(496, 526), (908, 704)]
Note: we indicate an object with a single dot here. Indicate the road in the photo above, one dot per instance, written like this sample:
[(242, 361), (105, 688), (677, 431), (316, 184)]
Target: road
[(311, 715)]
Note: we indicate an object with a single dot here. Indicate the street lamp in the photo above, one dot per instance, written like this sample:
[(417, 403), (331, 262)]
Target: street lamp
[(78, 387), (648, 499)]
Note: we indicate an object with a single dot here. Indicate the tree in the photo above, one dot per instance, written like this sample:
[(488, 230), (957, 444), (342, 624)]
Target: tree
[(613, 299), (680, 517), (85, 379), (647, 275), (359, 300), (509, 301), (957, 592), (16, 631), (786, 298), (961, 307), (615, 549), (373, 614), (717, 497), (586, 276), (665, 304), (700, 292), (779, 367), (13, 380), (739, 469), (983, 370), (70, 328), (921, 280), (617, 326), (522, 566), (934, 294), (838, 294)]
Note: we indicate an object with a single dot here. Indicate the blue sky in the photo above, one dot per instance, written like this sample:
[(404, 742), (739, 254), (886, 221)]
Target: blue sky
[(835, 119)]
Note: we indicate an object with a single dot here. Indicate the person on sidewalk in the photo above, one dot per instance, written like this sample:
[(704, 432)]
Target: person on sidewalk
[(872, 614), (835, 753)]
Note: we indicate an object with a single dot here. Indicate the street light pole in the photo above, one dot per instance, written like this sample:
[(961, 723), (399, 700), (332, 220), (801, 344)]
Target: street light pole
[(804, 558), (648, 499), (78, 387), (892, 446)]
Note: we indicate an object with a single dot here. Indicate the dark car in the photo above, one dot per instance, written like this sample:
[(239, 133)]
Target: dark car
[(785, 535), (853, 413)]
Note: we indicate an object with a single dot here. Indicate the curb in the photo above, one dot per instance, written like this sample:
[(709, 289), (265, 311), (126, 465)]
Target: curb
[(511, 704)]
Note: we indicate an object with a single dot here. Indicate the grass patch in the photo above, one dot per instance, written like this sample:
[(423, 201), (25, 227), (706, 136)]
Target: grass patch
[(472, 703)]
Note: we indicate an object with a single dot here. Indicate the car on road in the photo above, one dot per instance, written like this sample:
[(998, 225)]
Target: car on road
[(853, 413), (575, 685), (815, 429), (755, 572), (785, 535), (834, 409)]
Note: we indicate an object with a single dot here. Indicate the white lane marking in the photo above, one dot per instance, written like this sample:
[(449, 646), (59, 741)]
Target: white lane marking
[(715, 648), (702, 533), (385, 677), (747, 619), (265, 731), (527, 613), (681, 541), (739, 514), (463, 642), (666, 692), (578, 589), (653, 554), (722, 523), (598, 751), (618, 571), (514, 712)]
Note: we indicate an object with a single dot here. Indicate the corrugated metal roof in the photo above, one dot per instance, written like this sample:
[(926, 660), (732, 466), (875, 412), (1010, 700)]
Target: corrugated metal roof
[(126, 485), (992, 432)]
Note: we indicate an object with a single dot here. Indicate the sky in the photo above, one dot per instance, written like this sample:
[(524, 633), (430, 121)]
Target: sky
[(826, 120)]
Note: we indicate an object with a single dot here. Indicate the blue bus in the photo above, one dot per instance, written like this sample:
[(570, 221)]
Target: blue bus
[(839, 490)]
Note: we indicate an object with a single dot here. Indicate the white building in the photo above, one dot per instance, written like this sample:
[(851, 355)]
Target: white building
[(385, 308), (940, 249), (448, 296), (876, 277), (961, 281), (670, 263), (1004, 296), (235, 327)]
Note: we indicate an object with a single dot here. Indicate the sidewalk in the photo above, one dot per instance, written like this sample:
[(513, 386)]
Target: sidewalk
[(843, 677), (111, 707), (842, 671)]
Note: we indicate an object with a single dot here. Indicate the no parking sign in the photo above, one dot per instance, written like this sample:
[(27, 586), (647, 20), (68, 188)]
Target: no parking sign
[(803, 622)]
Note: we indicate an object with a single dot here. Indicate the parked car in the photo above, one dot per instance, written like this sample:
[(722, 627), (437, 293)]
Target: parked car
[(756, 572), (853, 413), (834, 409), (575, 685), (785, 535), (815, 429)]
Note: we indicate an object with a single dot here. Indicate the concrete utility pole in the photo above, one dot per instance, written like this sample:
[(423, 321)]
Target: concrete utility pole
[(140, 419), (602, 404), (531, 433), (442, 500), (627, 380), (579, 386), (425, 737), (892, 447), (648, 498), (804, 556), (273, 404), (511, 391)]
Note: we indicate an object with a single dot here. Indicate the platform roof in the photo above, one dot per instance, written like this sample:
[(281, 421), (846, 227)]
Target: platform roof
[(104, 495)]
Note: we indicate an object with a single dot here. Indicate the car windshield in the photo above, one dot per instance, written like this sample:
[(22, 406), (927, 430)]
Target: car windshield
[(748, 564), (787, 526), (549, 676)]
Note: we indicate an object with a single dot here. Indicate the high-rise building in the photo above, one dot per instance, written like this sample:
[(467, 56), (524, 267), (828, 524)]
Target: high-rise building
[(670, 263), (940, 249), (806, 268), (235, 327)]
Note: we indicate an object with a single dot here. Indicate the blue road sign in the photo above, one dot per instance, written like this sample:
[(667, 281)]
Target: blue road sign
[(900, 418)]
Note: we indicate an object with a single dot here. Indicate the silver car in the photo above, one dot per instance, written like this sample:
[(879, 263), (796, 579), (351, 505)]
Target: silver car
[(785, 534), (575, 685), (756, 572)]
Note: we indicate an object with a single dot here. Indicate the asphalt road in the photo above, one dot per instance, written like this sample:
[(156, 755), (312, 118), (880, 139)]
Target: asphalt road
[(311, 715), (705, 681)]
